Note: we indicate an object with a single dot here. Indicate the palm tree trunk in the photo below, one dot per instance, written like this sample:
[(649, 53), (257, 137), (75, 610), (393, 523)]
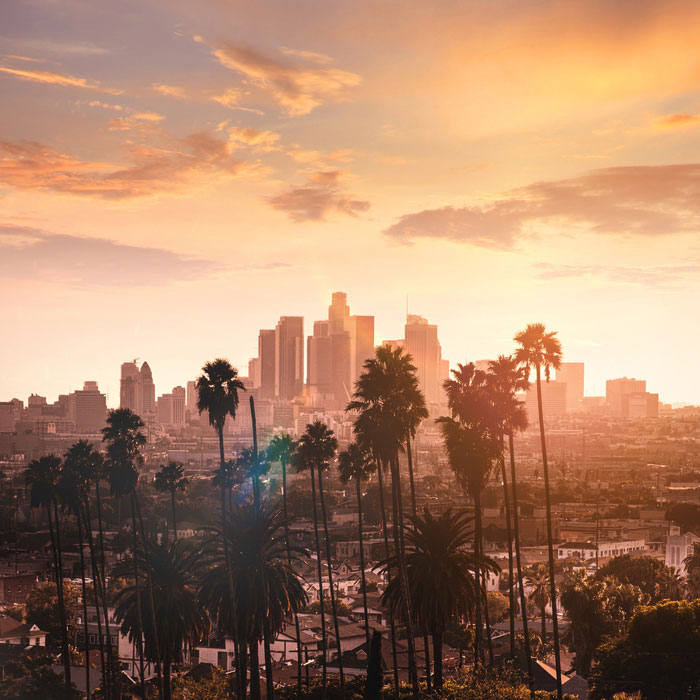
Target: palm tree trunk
[(256, 475), (550, 538), (478, 637), (167, 690), (516, 535), (84, 596), (269, 680), (172, 505), (387, 552), (362, 562), (139, 612), (544, 622), (487, 621), (334, 610), (403, 575), (254, 670), (414, 510), (289, 563), (151, 599), (437, 655), (58, 561), (509, 532), (324, 633)]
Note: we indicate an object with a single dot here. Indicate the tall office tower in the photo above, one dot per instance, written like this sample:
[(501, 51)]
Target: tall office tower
[(129, 394), (572, 374), (423, 346), (267, 353), (319, 371), (254, 372), (87, 409), (362, 345), (191, 403), (289, 357), (553, 400), (170, 408), (148, 391), (179, 396), (338, 313), (616, 391)]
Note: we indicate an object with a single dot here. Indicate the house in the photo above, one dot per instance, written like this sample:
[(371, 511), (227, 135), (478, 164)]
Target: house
[(13, 632), (15, 587)]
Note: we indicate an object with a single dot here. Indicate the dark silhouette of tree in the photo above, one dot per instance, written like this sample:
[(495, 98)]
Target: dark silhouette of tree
[(354, 464), (375, 677), (541, 351), (170, 479), (181, 618), (316, 448), (538, 580), (652, 576), (41, 476), (441, 575)]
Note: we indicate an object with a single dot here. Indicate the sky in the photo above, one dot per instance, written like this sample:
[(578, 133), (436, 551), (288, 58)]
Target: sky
[(176, 175)]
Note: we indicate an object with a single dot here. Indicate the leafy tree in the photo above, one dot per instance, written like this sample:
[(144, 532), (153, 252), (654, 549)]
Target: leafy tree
[(538, 580), (43, 609), (687, 515), (657, 656), (541, 350), (498, 606), (651, 576), (344, 610)]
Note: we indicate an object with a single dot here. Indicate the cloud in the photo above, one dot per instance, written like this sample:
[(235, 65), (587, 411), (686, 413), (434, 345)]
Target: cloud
[(50, 78), (677, 121), (171, 91), (298, 88), (153, 169), (320, 197), (152, 117), (254, 139), (631, 200), (310, 56), (30, 253), (647, 276), (104, 105)]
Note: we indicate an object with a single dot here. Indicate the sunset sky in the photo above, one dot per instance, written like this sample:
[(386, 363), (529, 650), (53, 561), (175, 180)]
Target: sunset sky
[(175, 175)]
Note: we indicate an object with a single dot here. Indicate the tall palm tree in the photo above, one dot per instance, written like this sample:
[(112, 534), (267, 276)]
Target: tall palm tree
[(182, 619), (266, 587), (217, 394), (124, 442), (506, 378), (538, 580), (470, 435), (541, 350), (315, 450), (441, 574), (355, 464), (387, 393), (281, 449), (170, 479), (88, 463), (41, 476)]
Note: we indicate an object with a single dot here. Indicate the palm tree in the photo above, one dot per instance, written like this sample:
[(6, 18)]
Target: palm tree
[(692, 567), (217, 394), (266, 586), (315, 450), (88, 463), (281, 449), (169, 479), (355, 464), (506, 378), (387, 393), (471, 442), (441, 574), (182, 619), (42, 478), (124, 441), (538, 580), (541, 350)]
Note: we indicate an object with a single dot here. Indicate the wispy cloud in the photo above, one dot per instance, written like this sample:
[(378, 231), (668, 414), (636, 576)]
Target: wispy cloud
[(299, 88), (153, 169), (61, 79), (171, 91), (647, 276), (257, 140), (321, 196), (633, 200), (30, 253), (677, 121)]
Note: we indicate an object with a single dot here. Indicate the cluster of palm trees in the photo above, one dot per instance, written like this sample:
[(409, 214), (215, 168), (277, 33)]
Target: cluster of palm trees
[(242, 579)]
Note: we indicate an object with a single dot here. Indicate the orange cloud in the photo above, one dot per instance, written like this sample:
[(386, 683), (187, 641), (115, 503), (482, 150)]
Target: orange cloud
[(50, 78), (253, 138), (34, 166), (170, 91), (317, 199), (677, 121), (632, 200), (299, 89)]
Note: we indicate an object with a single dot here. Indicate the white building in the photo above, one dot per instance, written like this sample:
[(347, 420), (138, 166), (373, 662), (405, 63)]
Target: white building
[(678, 547)]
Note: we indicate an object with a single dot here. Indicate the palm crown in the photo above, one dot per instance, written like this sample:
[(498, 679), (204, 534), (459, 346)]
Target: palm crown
[(355, 463), (538, 349), (171, 478), (217, 391), (316, 448), (124, 439)]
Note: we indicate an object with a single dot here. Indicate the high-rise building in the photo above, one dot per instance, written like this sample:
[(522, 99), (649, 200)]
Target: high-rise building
[(553, 400), (191, 401), (289, 357), (170, 408), (87, 409), (267, 353), (571, 373), (616, 391), (421, 342), (148, 391), (363, 344), (319, 357), (137, 390)]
